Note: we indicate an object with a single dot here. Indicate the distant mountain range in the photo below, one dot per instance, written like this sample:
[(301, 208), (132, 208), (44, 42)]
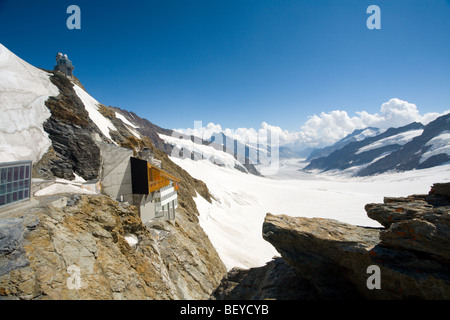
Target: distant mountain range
[(356, 135), (414, 146)]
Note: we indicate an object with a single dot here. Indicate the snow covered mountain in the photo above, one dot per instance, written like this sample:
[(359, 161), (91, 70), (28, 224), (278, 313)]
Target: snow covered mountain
[(357, 135), (427, 150), (414, 146), (219, 150), (223, 150)]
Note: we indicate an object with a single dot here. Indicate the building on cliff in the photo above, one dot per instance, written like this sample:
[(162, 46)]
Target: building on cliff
[(64, 65), (138, 181)]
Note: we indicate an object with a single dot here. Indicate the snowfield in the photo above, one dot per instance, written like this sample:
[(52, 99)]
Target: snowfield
[(234, 220), (59, 188), (23, 92)]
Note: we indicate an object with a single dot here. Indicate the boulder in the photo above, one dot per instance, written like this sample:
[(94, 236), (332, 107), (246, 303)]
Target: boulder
[(326, 252), (407, 259), (277, 280)]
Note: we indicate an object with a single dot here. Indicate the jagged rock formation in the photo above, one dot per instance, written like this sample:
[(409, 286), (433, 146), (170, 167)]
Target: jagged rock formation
[(332, 258), (70, 130), (91, 247)]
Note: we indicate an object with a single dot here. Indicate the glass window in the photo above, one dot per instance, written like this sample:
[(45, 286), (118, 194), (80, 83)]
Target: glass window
[(14, 182), (16, 173), (21, 172), (3, 175)]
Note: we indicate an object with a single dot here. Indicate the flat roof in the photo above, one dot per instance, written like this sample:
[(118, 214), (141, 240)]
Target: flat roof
[(15, 163)]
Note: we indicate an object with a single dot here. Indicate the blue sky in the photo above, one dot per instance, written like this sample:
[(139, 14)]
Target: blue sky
[(240, 63)]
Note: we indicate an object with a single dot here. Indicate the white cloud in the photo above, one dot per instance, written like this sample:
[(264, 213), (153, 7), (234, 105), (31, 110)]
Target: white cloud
[(396, 113), (326, 128)]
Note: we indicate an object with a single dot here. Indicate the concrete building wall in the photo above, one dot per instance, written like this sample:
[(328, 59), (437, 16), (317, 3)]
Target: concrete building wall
[(116, 172), (146, 207)]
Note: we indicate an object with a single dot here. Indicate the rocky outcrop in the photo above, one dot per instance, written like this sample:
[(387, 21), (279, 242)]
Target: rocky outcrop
[(91, 247), (71, 132), (12, 236), (336, 260), (277, 280)]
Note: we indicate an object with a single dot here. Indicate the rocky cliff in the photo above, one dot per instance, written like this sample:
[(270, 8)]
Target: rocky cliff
[(91, 247), (327, 259), (55, 239)]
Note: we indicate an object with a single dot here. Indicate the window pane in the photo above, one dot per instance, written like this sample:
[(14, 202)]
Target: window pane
[(21, 185), (2, 188), (26, 184), (2, 200), (21, 172), (15, 196), (15, 186), (25, 194), (16, 173), (27, 172), (10, 174), (3, 175), (20, 195), (9, 198), (9, 187)]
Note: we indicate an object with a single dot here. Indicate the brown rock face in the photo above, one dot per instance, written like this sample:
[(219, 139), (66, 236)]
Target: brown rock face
[(416, 223), (78, 247), (326, 252), (408, 259)]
